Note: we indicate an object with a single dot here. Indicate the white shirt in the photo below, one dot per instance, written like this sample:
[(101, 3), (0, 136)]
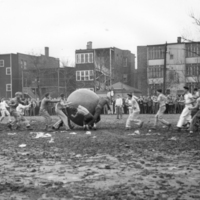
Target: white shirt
[(188, 98), (118, 102), (134, 105), (3, 105), (20, 108), (82, 110), (162, 99)]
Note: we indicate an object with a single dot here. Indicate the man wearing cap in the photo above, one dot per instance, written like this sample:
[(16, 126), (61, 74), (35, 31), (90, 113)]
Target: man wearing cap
[(185, 116), (162, 100), (134, 111)]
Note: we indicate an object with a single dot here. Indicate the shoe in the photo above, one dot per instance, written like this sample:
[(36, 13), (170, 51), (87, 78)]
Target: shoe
[(178, 129), (95, 127), (169, 126), (10, 126), (84, 127), (141, 124), (29, 128), (127, 128)]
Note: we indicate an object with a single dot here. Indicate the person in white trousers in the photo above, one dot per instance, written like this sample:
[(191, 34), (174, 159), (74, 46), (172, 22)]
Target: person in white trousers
[(185, 116), (63, 119), (4, 111), (162, 100), (134, 111)]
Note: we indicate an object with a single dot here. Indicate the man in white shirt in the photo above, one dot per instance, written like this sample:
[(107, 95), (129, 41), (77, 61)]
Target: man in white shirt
[(162, 100), (134, 111), (4, 111), (185, 116), (118, 106)]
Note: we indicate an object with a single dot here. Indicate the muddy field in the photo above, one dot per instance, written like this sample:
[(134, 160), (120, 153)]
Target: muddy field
[(109, 163)]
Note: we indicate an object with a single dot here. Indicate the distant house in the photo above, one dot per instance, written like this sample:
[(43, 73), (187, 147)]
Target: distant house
[(182, 67), (34, 75), (121, 89), (97, 69)]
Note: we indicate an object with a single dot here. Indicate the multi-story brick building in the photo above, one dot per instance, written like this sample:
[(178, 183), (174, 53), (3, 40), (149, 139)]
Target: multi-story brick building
[(99, 68), (182, 66), (34, 75)]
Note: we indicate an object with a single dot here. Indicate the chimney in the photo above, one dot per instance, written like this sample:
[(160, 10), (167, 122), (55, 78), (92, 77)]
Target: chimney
[(47, 51), (89, 45), (178, 40)]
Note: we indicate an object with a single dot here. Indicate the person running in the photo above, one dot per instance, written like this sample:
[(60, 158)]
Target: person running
[(4, 111), (134, 111), (98, 110), (14, 103), (195, 117), (185, 116), (44, 110), (60, 109), (87, 116), (162, 100)]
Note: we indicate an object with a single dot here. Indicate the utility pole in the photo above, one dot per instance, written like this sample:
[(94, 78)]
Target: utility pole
[(165, 68)]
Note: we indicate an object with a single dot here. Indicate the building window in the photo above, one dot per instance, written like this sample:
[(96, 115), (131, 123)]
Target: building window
[(125, 62), (171, 56), (8, 70), (193, 69), (78, 76), (85, 75), (1, 63), (155, 71), (156, 52), (192, 50), (8, 87), (125, 78), (25, 65), (84, 58)]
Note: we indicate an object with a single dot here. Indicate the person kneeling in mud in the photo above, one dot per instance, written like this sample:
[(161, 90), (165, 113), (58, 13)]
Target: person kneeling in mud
[(87, 116), (98, 110)]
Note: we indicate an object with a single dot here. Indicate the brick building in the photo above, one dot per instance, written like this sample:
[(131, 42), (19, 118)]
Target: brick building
[(97, 69), (34, 75), (182, 67)]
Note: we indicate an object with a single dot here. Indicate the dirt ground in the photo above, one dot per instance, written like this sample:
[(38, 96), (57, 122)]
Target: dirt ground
[(109, 163)]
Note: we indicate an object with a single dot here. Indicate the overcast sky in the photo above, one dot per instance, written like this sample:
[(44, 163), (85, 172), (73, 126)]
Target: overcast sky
[(27, 26)]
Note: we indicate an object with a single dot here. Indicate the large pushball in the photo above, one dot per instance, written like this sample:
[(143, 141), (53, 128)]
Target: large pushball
[(83, 97)]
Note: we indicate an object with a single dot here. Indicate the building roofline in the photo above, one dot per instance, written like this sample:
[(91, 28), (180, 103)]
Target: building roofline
[(173, 43)]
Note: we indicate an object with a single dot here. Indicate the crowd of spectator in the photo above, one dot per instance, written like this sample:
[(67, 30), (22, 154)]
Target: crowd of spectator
[(148, 105)]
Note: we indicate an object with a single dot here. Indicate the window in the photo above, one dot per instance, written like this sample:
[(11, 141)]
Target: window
[(78, 76), (171, 56), (1, 63), (85, 75), (8, 87), (8, 70), (84, 58), (156, 52), (25, 65), (192, 50), (78, 58), (91, 58), (125, 78), (125, 62), (155, 71)]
